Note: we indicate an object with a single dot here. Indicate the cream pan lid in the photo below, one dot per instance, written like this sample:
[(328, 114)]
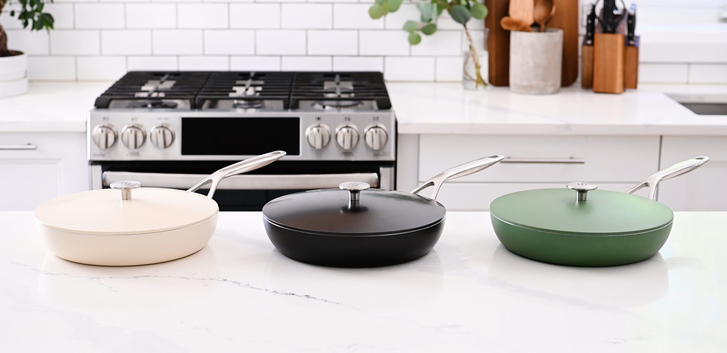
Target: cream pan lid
[(148, 210)]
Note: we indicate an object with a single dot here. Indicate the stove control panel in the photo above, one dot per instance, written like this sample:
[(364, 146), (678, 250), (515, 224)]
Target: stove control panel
[(158, 134)]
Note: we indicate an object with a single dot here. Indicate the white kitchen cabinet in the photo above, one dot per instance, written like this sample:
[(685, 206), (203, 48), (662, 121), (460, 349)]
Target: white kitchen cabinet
[(702, 189), (57, 166), (613, 162)]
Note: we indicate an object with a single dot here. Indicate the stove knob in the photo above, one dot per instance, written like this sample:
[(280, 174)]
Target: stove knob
[(347, 136), (162, 136), (376, 137), (133, 136), (104, 136), (318, 136)]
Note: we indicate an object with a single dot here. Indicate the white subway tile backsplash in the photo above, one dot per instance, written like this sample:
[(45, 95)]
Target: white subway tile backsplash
[(279, 1), (358, 63), (396, 20), (409, 68), (99, 15), (259, 16), (94, 68), (332, 42), (448, 69), (663, 73), (76, 42), (202, 15), (708, 73), (204, 63), (151, 16), (126, 42), (280, 42), (52, 68), (440, 43), (141, 63), (31, 43), (255, 63), (229, 42), (177, 42), (355, 16), (307, 63), (307, 16), (62, 15), (383, 43)]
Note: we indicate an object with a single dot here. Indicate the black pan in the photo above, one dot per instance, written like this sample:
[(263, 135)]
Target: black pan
[(355, 226)]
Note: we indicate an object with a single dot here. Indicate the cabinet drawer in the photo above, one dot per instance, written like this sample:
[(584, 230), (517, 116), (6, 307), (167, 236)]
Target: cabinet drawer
[(702, 189), (478, 196), (544, 158)]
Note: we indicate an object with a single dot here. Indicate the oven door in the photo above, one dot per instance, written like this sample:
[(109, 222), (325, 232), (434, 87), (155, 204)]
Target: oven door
[(246, 192)]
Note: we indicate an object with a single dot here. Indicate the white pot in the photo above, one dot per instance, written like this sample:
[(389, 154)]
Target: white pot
[(13, 75)]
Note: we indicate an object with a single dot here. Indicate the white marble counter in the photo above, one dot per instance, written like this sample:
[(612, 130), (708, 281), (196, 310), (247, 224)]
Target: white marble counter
[(469, 295), (439, 108)]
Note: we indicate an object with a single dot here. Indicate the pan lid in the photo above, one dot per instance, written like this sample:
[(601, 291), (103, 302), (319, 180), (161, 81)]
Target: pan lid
[(584, 212), (118, 212), (354, 210)]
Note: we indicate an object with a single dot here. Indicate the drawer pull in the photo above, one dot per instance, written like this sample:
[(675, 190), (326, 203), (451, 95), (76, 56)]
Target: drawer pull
[(544, 160), (28, 147)]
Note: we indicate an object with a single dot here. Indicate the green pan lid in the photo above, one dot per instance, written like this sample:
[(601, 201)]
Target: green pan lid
[(598, 213)]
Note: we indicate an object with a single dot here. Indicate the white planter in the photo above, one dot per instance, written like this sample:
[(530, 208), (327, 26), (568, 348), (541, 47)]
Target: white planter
[(13, 75), (535, 61)]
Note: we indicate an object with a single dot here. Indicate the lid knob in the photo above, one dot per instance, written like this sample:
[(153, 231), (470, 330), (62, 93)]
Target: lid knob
[(125, 187), (581, 188), (354, 188)]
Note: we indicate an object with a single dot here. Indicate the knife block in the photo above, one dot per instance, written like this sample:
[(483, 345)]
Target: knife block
[(608, 63), (631, 67), (587, 66)]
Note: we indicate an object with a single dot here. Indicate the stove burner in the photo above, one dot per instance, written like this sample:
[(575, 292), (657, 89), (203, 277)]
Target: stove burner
[(330, 105), (247, 104), (152, 105)]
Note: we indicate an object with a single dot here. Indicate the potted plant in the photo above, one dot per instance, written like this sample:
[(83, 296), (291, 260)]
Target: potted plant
[(461, 11), (14, 63)]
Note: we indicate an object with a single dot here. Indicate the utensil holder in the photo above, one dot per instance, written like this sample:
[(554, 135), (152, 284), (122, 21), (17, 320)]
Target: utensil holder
[(608, 63), (631, 66), (587, 66), (536, 61)]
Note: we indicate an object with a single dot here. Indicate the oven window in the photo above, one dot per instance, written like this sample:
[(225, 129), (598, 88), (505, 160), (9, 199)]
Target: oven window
[(240, 136)]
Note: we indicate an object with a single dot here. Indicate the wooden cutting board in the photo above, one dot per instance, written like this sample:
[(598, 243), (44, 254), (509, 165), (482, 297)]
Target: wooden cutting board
[(498, 40), (566, 18)]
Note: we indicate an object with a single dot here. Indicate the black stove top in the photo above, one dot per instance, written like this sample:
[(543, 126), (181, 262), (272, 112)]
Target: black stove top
[(247, 91)]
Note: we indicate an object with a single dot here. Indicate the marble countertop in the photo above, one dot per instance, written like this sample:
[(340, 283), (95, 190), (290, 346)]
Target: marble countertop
[(470, 294), (440, 108)]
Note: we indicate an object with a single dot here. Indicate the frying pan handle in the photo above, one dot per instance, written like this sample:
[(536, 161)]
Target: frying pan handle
[(237, 168), (674, 171), (458, 171)]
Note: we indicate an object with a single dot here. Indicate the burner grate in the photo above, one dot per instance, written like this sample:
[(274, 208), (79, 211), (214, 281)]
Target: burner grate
[(246, 90), (153, 89), (322, 90)]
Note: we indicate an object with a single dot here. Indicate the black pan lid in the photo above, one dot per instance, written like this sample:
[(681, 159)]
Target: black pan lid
[(378, 212)]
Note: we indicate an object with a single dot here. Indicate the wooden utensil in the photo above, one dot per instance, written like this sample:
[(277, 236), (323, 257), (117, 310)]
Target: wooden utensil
[(522, 10), (512, 24), (543, 11)]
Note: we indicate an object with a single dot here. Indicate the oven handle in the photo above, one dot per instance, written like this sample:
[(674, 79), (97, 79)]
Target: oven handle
[(243, 182)]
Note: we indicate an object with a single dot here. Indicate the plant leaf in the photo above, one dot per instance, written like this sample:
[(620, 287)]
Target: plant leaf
[(414, 38), (429, 29), (460, 14), (394, 5), (410, 26), (478, 11), (426, 9), (377, 11)]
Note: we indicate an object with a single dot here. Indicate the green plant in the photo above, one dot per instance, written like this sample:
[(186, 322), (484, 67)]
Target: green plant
[(30, 14), (462, 11)]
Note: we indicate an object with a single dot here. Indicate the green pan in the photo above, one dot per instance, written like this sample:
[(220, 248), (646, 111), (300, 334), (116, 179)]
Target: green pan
[(582, 226)]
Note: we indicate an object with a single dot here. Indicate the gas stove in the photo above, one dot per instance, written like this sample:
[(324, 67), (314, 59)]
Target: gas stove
[(233, 115), (168, 128)]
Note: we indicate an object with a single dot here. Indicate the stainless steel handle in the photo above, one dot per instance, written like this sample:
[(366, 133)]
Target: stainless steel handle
[(237, 168), (544, 160), (28, 147), (354, 189), (126, 187), (457, 172), (581, 189), (244, 182), (674, 171)]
